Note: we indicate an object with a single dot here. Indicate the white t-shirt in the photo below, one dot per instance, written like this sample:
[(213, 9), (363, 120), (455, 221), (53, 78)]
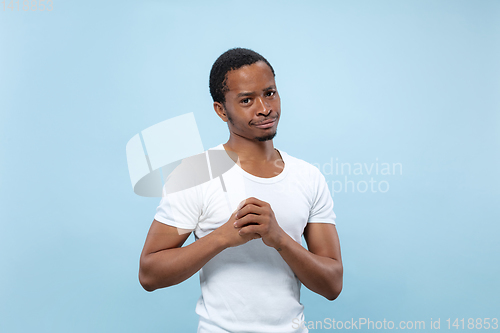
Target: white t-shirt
[(250, 288)]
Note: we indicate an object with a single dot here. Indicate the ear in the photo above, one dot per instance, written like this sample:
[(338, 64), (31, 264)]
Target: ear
[(221, 111)]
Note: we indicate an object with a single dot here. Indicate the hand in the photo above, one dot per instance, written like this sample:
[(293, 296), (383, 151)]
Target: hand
[(256, 217), (230, 235)]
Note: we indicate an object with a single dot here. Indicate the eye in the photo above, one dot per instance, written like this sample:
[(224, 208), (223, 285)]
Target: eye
[(270, 93), (245, 101)]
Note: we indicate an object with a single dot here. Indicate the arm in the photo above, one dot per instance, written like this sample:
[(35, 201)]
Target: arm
[(164, 262), (319, 269)]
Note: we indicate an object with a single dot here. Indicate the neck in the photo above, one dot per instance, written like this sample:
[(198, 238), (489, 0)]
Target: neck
[(252, 151)]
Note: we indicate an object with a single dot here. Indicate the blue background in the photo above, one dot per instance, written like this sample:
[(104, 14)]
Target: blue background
[(410, 82)]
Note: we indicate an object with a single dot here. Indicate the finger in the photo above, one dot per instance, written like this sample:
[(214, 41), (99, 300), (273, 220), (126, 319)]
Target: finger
[(249, 209), (255, 236), (250, 229), (252, 200), (248, 219)]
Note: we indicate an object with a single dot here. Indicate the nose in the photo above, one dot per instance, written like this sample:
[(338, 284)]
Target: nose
[(263, 107)]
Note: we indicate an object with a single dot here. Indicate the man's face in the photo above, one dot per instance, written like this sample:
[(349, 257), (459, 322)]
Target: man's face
[(252, 106)]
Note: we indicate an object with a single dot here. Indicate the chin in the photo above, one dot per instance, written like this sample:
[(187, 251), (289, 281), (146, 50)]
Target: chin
[(267, 137)]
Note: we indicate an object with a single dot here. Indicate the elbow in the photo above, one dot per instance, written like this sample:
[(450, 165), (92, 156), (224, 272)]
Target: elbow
[(149, 278), (145, 282), (332, 295), (151, 285), (336, 286), (145, 277)]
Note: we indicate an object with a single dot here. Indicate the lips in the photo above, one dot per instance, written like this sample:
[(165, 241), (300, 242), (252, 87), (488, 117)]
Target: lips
[(267, 123)]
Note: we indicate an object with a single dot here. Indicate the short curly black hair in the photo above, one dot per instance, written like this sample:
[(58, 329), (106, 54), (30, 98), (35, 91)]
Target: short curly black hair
[(228, 61)]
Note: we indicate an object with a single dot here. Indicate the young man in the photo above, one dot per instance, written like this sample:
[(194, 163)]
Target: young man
[(250, 256)]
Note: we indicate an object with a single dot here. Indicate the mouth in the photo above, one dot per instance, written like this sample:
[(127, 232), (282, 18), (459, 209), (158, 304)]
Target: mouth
[(267, 123)]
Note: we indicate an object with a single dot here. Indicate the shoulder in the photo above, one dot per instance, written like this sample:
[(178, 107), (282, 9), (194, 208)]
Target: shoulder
[(218, 147), (302, 167)]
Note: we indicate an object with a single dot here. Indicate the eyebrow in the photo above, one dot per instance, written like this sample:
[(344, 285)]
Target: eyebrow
[(244, 94)]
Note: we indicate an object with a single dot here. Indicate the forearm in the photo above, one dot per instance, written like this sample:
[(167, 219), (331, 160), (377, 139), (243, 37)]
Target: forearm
[(320, 274), (171, 266)]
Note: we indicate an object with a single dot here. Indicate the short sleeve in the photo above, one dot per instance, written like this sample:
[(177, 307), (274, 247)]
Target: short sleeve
[(180, 209), (322, 207)]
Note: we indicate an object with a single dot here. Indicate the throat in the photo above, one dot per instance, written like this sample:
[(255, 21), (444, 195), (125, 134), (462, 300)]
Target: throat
[(264, 169), (261, 161)]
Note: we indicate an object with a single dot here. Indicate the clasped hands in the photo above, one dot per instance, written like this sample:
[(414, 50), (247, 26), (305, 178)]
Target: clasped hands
[(253, 219)]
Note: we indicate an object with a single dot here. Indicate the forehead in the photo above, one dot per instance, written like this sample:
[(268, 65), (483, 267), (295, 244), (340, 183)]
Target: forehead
[(252, 77)]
